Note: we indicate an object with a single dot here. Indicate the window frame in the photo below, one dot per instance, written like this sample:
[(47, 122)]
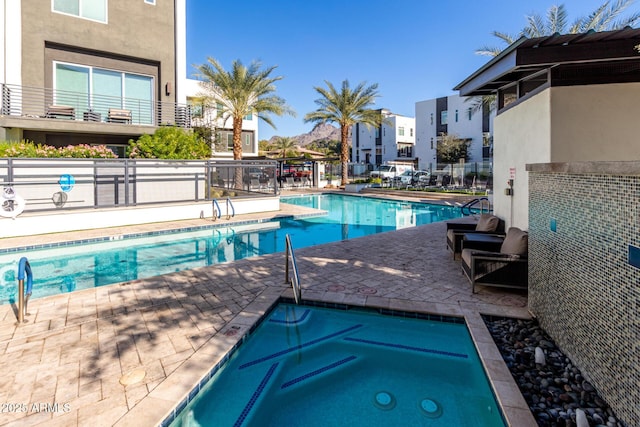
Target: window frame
[(79, 15)]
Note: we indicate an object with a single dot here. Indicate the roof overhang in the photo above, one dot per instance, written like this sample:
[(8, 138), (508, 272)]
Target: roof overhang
[(526, 57)]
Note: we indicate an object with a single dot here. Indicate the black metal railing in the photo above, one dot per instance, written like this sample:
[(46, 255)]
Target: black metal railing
[(47, 103)]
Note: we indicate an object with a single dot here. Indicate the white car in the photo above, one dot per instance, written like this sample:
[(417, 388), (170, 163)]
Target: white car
[(405, 177)]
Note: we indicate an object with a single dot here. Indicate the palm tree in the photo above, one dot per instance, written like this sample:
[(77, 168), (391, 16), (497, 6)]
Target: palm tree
[(241, 92), (605, 18), (346, 108), (285, 145)]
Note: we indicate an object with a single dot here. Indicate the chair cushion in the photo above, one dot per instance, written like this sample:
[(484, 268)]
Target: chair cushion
[(516, 242), (487, 222), (466, 256)]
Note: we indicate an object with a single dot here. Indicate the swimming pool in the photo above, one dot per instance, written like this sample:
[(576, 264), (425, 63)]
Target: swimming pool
[(69, 267), (311, 366)]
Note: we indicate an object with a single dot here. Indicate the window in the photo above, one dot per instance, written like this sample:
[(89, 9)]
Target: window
[(410, 131), (377, 132), (443, 117), (456, 116), (219, 109), (248, 117), (95, 10), (432, 143), (98, 90), (469, 112), (153, 2), (401, 131), (432, 119), (197, 111)]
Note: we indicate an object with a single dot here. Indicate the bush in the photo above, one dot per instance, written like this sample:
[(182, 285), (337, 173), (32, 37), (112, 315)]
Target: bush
[(169, 143), (29, 149)]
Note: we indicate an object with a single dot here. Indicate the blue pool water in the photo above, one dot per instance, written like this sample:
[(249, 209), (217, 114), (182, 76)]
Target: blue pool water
[(310, 366), (125, 258)]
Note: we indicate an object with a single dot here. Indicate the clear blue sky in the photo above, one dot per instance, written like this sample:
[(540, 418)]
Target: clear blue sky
[(414, 49)]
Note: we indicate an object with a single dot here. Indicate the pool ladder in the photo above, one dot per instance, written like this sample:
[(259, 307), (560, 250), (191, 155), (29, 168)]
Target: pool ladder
[(294, 278), (217, 212), (24, 271), (484, 201)]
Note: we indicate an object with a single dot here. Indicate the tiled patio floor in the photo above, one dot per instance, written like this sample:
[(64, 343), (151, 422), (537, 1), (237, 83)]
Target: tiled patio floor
[(125, 354)]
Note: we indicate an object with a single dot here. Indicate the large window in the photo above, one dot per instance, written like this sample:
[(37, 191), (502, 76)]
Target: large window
[(224, 141), (401, 131), (90, 89), (96, 10)]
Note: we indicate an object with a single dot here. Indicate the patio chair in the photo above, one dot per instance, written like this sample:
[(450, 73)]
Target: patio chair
[(487, 223), (119, 116), (60, 112), (505, 269)]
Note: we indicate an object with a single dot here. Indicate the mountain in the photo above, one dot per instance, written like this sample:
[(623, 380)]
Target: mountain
[(321, 132)]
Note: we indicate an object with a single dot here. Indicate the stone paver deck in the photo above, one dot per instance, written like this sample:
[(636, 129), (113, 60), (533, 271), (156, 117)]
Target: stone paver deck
[(126, 354)]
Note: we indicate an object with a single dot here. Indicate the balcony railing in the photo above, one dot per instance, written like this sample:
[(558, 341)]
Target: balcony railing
[(46, 103)]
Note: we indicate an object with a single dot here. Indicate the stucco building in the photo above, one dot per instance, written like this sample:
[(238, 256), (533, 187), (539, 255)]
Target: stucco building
[(97, 72)]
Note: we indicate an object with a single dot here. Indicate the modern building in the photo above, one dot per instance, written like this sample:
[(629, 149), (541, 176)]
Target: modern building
[(456, 116), (94, 72), (394, 140), (565, 148), (210, 114)]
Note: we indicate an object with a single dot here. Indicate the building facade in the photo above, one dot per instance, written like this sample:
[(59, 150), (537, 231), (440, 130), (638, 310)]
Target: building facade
[(394, 140), (209, 114), (74, 71), (454, 116)]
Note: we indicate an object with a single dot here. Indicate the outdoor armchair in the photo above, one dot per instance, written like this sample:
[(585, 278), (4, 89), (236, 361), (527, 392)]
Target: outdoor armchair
[(487, 223), (507, 268)]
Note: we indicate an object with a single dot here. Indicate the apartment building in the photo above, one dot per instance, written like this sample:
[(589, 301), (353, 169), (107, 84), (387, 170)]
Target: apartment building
[(455, 116), (210, 114), (394, 140), (91, 71)]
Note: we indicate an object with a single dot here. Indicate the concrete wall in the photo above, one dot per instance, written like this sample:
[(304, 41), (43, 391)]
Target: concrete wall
[(522, 135), (597, 122), (56, 222), (426, 133), (583, 287)]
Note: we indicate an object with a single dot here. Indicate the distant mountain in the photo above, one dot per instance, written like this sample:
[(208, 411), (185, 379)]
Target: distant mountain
[(321, 132)]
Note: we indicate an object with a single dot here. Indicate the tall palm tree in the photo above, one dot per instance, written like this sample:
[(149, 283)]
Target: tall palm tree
[(241, 92), (346, 108), (606, 17), (285, 145)]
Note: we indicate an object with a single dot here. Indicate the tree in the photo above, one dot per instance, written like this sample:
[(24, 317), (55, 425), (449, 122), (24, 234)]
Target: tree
[(346, 108), (285, 145), (451, 148), (605, 18), (241, 92)]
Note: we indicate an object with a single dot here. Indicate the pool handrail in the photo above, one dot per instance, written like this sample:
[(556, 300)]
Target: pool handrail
[(294, 280), (216, 207), (24, 271), (471, 203), (233, 209)]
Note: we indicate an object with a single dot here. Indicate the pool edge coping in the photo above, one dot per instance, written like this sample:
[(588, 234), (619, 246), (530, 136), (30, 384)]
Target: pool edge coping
[(512, 404)]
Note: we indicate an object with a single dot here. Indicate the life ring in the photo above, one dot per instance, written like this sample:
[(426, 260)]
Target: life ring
[(11, 204)]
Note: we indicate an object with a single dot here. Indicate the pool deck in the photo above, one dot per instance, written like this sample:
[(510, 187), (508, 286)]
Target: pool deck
[(126, 354)]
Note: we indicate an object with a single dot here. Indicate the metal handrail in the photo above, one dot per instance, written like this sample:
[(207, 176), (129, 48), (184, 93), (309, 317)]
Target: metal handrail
[(24, 270), (216, 206), (54, 104), (295, 279), (471, 203), (233, 209)]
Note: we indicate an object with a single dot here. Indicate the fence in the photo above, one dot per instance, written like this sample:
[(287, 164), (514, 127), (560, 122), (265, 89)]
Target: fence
[(53, 184)]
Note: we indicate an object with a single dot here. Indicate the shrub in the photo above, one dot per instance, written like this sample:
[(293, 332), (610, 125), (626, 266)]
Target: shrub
[(29, 149), (169, 143)]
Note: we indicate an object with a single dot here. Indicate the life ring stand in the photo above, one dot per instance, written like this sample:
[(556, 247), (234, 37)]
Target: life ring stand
[(11, 204)]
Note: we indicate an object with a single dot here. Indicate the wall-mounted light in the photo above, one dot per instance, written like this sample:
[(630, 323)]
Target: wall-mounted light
[(168, 88)]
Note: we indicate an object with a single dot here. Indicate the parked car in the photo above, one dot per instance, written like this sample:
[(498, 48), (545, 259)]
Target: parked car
[(405, 177), (387, 172), (420, 177)]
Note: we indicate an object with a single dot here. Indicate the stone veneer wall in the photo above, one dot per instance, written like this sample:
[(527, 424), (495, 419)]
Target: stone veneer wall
[(582, 288)]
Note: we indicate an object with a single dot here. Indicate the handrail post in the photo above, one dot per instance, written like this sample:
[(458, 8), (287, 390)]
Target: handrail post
[(24, 271), (286, 264)]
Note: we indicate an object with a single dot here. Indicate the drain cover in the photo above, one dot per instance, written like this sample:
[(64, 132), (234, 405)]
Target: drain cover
[(133, 377), (430, 408), (384, 400)]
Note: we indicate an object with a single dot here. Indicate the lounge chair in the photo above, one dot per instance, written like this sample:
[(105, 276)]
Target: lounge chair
[(506, 269), (61, 112), (487, 223), (119, 116)]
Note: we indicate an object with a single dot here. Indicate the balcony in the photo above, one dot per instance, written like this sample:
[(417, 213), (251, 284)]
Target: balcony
[(44, 108)]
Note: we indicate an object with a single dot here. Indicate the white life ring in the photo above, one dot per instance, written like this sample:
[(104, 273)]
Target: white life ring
[(11, 204)]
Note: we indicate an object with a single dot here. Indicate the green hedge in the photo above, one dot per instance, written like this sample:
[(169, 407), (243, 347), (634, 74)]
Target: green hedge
[(29, 149)]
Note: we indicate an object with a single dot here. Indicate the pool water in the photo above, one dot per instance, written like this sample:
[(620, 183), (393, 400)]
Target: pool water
[(310, 366), (80, 266)]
